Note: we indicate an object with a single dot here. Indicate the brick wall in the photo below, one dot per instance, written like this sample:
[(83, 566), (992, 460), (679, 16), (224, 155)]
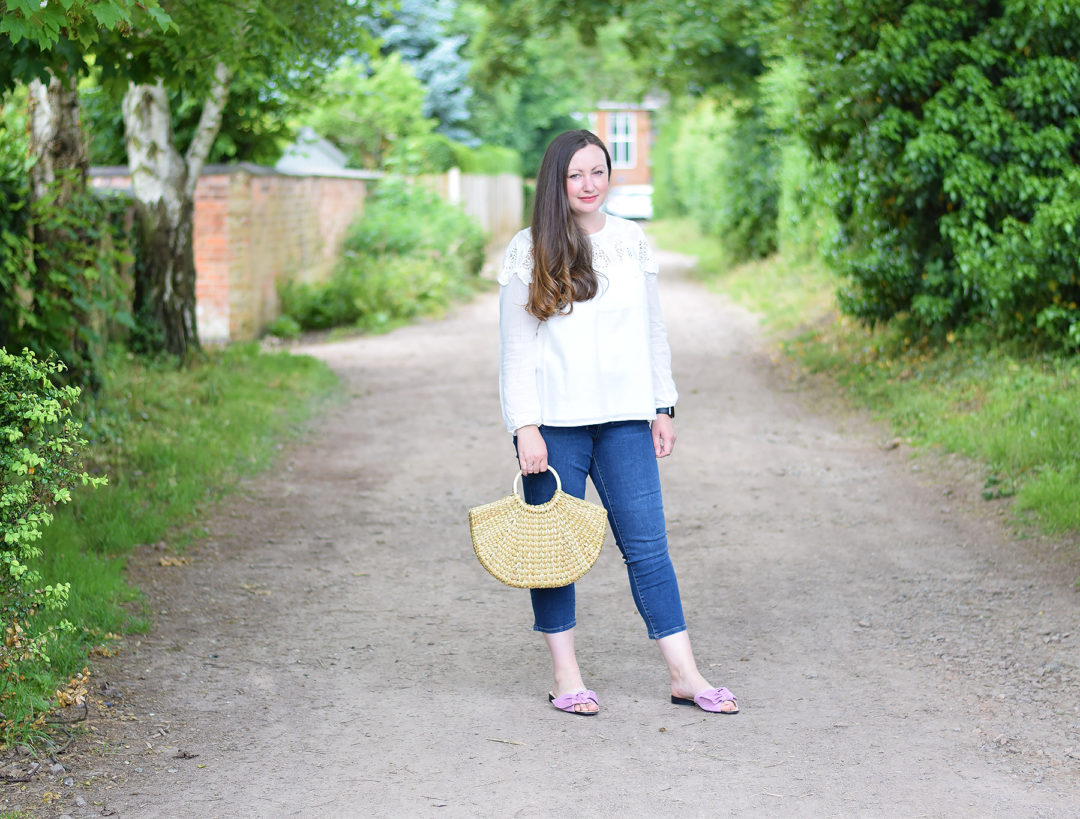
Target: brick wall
[(256, 229), (278, 228), (212, 257)]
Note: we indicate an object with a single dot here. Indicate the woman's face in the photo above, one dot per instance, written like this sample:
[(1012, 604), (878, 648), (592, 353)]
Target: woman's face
[(587, 180)]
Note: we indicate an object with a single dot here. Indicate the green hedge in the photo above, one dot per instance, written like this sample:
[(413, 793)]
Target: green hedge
[(61, 289), (954, 131), (436, 153), (488, 159), (804, 220), (721, 170), (667, 199)]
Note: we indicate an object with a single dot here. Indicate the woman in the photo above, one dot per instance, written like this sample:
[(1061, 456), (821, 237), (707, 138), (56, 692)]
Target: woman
[(585, 382)]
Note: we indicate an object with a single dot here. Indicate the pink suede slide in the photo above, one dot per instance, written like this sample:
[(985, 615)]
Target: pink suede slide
[(566, 702), (710, 700)]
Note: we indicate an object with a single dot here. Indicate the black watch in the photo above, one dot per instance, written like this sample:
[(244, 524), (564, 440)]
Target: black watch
[(669, 411)]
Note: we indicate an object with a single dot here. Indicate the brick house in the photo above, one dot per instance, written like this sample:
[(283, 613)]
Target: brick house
[(626, 129)]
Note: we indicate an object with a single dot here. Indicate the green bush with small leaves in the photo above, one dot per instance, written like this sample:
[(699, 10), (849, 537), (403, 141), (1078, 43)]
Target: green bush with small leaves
[(40, 463), (284, 327), (487, 159), (803, 218), (437, 153)]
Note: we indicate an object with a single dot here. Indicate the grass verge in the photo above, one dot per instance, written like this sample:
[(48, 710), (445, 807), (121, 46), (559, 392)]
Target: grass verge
[(1012, 409), (173, 442)]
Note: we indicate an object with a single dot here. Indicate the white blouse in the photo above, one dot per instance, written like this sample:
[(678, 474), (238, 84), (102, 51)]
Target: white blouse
[(607, 360)]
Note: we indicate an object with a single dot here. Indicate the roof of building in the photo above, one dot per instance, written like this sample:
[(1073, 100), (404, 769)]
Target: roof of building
[(310, 153)]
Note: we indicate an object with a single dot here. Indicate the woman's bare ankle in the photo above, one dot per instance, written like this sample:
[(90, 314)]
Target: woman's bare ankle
[(688, 685), (568, 684)]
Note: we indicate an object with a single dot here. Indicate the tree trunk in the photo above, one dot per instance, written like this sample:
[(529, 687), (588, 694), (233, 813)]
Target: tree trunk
[(164, 302), (59, 146), (56, 137), (164, 186)]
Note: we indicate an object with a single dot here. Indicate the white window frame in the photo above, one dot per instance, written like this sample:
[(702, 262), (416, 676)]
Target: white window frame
[(622, 139)]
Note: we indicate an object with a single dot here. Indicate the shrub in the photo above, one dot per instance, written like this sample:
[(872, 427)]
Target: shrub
[(722, 169), (284, 327), (803, 216), (437, 153), (487, 159), (16, 249), (425, 153), (749, 191), (667, 196), (174, 441), (39, 465), (319, 305), (954, 130), (408, 255), (402, 217), (61, 292)]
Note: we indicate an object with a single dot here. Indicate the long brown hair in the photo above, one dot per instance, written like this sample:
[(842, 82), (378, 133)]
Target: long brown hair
[(562, 253)]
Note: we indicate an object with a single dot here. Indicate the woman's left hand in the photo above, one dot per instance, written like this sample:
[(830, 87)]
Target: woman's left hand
[(663, 435)]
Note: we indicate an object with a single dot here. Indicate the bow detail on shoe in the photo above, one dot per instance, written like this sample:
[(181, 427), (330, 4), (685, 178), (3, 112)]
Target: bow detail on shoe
[(713, 698), (568, 702)]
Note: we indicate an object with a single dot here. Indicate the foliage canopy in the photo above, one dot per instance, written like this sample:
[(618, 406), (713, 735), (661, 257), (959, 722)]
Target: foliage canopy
[(423, 34), (369, 114), (37, 38), (954, 131)]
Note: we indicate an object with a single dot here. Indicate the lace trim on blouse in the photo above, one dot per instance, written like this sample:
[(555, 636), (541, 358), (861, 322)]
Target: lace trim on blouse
[(518, 260)]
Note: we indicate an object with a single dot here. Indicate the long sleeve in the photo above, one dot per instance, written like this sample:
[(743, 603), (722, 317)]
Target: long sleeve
[(664, 391), (517, 356), (663, 383)]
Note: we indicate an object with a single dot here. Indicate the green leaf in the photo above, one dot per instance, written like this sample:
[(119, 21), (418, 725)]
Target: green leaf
[(110, 14), (25, 7), (17, 28), (159, 16)]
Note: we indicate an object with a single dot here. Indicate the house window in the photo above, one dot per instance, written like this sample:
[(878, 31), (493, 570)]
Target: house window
[(620, 139)]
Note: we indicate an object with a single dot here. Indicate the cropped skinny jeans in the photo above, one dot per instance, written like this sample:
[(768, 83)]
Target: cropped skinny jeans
[(620, 459)]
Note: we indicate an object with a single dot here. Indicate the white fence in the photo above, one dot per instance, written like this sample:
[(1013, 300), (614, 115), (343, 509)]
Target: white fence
[(497, 202)]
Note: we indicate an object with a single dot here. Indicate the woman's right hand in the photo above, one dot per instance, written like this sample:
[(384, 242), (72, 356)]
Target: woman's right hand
[(532, 451)]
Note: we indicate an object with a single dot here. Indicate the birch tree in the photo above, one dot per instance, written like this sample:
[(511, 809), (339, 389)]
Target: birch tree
[(46, 45), (164, 184), (289, 45)]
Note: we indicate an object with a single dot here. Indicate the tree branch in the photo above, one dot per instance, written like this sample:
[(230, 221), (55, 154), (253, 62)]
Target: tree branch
[(207, 129)]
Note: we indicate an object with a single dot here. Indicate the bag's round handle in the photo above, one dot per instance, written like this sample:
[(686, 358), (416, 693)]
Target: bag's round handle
[(551, 469)]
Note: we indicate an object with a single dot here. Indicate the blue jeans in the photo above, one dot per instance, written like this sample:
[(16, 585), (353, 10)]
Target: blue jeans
[(620, 459)]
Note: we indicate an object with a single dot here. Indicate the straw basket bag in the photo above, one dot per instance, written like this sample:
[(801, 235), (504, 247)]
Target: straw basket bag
[(538, 547)]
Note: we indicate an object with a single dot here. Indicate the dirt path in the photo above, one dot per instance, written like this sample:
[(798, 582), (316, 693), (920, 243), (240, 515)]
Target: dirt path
[(335, 650)]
